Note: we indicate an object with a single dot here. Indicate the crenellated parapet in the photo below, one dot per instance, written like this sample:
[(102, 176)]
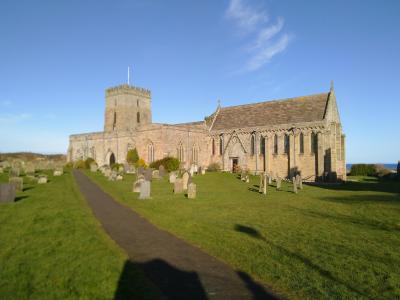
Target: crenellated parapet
[(128, 89)]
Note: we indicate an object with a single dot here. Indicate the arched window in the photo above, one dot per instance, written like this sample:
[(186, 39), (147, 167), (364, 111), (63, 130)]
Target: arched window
[(213, 146), (138, 117), (262, 145), (301, 141), (115, 120), (221, 144), (275, 144), (195, 155), (150, 153), (253, 144), (287, 144), (181, 153), (314, 143)]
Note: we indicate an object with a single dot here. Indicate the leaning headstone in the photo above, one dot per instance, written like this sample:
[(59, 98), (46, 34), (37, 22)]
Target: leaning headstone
[(278, 183), (161, 171), (172, 178), (7, 192), (192, 191), (294, 185), (299, 181), (29, 168), (136, 185), (185, 179), (14, 172), (42, 180), (148, 174), (144, 190), (17, 182), (178, 186)]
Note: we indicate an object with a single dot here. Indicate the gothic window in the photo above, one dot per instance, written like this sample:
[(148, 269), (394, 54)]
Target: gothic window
[(314, 143), (181, 153), (221, 144), (262, 145), (275, 144), (115, 120), (287, 144), (213, 146), (301, 141), (195, 154), (138, 117), (253, 144), (150, 153)]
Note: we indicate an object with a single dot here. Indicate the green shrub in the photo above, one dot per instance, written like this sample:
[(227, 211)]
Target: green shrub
[(169, 163), (132, 156), (363, 170), (116, 166), (79, 164), (214, 167), (88, 162), (69, 165)]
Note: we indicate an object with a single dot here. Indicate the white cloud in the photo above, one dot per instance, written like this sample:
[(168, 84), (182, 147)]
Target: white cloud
[(247, 17), (268, 40), (13, 118), (264, 55)]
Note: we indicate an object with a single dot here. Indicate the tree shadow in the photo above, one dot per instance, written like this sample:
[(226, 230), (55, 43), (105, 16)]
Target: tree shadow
[(257, 290), (19, 198), (249, 231), (304, 260)]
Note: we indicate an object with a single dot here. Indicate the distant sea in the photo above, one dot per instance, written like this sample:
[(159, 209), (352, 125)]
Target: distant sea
[(387, 166)]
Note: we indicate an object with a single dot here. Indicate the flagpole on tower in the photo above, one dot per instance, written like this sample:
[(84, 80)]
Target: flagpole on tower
[(129, 71)]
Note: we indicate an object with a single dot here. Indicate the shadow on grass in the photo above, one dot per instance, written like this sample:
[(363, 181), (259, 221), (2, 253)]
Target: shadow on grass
[(360, 199), (172, 282), (19, 198), (28, 188), (353, 220), (296, 256)]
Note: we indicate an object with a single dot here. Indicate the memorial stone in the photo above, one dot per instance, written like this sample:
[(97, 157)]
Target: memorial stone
[(136, 185), (148, 174), (42, 180), (294, 185), (161, 171), (185, 179), (144, 190), (192, 191), (17, 182), (172, 178), (278, 183), (178, 186), (7, 192)]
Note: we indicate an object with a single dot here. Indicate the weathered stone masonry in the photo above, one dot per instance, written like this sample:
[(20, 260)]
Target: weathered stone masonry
[(285, 137)]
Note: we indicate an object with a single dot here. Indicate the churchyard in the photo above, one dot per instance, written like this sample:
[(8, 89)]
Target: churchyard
[(323, 242)]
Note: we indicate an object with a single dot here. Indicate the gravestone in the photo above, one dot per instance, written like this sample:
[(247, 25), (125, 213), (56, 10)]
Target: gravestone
[(107, 173), (57, 173), (139, 176), (247, 179), (14, 172), (191, 170), (178, 186), (1, 170), (136, 185), (42, 180), (17, 182), (203, 171), (261, 186), (172, 178), (93, 167), (243, 176), (185, 179), (161, 171), (265, 184), (7, 192), (294, 185), (113, 175), (299, 181), (269, 179), (148, 174), (140, 170), (156, 174), (278, 183), (144, 190), (119, 177), (29, 168), (192, 191)]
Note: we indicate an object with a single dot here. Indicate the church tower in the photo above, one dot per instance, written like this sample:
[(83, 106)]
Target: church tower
[(127, 107)]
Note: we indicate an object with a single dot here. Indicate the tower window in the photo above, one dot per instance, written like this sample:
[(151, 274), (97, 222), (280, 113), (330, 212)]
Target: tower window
[(301, 143), (115, 120), (138, 117), (275, 144)]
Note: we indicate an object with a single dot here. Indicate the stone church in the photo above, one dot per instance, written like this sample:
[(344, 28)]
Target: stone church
[(282, 137)]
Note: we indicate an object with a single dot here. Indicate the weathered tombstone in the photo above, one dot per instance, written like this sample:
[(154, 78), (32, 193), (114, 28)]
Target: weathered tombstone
[(17, 182), (93, 167), (14, 172), (178, 186), (113, 175), (57, 173), (29, 168), (161, 171), (243, 176), (294, 185), (139, 176), (185, 179), (247, 179), (299, 181), (191, 170), (278, 183), (265, 184), (7, 192), (261, 186), (136, 185), (107, 173), (144, 190), (42, 180), (156, 174), (192, 191), (119, 177), (203, 171), (269, 180), (148, 174), (172, 177)]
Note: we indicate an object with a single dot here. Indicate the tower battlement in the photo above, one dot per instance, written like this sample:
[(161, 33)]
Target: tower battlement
[(127, 89)]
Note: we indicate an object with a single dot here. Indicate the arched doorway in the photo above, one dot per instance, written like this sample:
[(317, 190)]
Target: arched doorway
[(112, 159)]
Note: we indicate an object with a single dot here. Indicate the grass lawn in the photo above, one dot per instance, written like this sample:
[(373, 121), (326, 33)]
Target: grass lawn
[(51, 247), (340, 242)]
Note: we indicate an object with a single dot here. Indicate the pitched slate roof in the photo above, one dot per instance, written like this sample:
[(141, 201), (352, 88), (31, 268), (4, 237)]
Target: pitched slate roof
[(293, 110)]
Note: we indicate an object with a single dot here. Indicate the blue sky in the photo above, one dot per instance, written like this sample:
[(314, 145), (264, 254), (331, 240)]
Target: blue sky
[(58, 57)]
